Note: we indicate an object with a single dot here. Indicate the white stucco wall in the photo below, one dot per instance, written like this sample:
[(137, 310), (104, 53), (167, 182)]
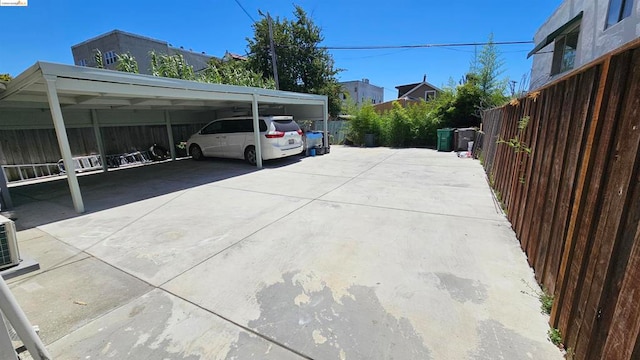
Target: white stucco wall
[(593, 42), (365, 91)]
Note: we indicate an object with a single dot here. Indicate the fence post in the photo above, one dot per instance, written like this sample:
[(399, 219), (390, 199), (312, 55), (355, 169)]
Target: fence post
[(172, 145)]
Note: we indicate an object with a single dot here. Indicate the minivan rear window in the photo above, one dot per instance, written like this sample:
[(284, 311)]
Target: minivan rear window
[(286, 125)]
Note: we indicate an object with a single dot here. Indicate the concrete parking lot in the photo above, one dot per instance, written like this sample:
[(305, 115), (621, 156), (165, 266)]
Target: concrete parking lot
[(363, 253)]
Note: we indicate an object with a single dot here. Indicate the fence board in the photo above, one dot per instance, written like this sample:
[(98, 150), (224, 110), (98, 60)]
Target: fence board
[(619, 172), (625, 331), (521, 161), (538, 156), (581, 214), (557, 158), (575, 302), (535, 126), (575, 138)]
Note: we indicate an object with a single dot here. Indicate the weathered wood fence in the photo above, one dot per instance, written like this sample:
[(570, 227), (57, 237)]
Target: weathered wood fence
[(37, 146), (574, 200)]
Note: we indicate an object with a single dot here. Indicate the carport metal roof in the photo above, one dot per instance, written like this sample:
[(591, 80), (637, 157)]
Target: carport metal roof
[(57, 86)]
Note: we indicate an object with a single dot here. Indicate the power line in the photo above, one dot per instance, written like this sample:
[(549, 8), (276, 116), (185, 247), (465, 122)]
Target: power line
[(381, 47), (245, 10)]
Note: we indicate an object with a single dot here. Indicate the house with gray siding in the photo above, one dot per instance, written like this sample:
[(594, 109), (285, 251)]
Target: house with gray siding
[(361, 91), (580, 31), (120, 42)]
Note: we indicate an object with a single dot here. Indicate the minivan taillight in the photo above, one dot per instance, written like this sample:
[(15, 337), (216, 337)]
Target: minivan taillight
[(274, 134), (299, 132)]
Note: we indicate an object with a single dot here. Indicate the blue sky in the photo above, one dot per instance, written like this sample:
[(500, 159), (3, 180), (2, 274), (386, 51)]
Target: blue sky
[(46, 30)]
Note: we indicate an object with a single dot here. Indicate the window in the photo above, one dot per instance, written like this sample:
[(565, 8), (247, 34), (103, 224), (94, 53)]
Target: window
[(286, 125), (231, 126), (213, 128), (618, 10), (564, 52), (109, 57), (82, 62), (429, 94)]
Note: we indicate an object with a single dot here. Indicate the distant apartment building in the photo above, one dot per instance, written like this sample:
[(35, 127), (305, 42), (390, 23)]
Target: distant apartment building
[(361, 91), (580, 31), (119, 42)]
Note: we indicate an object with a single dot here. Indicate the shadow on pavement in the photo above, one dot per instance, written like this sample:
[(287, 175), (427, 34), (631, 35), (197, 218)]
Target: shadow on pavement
[(41, 203)]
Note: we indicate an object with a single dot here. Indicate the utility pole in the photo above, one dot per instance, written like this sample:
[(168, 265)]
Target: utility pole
[(273, 53)]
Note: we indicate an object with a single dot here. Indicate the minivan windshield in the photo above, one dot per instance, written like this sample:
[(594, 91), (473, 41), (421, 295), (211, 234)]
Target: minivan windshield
[(286, 125)]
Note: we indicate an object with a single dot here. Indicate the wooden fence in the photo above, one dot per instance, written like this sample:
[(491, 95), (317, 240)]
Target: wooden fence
[(569, 180)]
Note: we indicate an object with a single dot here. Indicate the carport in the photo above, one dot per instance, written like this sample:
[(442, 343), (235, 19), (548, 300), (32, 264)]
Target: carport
[(82, 97)]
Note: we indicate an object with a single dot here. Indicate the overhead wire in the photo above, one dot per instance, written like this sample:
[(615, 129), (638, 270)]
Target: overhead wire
[(418, 46), (245, 10)]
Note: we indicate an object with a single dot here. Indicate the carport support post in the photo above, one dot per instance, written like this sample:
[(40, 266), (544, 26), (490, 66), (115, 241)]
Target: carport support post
[(98, 134), (63, 142), (325, 115), (4, 191), (172, 145), (256, 130)]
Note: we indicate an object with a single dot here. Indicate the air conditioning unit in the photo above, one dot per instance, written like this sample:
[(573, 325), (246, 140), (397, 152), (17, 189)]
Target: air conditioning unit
[(9, 255)]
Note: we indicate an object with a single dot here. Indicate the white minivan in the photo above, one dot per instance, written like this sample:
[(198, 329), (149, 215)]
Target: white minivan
[(280, 136)]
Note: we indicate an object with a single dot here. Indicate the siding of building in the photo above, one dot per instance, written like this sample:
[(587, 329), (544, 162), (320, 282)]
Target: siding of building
[(138, 46), (362, 91), (594, 40)]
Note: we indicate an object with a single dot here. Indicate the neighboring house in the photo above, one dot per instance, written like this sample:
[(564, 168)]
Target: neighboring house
[(119, 42), (411, 93), (417, 91), (231, 56), (580, 31), (361, 91)]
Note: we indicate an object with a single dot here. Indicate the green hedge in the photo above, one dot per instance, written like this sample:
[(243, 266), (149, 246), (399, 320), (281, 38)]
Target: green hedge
[(415, 125)]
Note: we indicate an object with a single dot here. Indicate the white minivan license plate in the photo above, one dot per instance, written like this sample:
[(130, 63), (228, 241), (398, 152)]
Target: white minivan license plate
[(291, 141)]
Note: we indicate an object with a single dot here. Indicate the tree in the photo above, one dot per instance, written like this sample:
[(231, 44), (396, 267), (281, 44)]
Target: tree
[(97, 56), (486, 68), (171, 66), (303, 66), (5, 77), (234, 72), (126, 63)]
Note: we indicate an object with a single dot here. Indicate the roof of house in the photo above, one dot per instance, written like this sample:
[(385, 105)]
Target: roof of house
[(234, 56), (116, 31)]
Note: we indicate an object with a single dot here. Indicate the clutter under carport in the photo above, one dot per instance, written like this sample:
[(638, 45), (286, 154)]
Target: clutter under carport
[(314, 143)]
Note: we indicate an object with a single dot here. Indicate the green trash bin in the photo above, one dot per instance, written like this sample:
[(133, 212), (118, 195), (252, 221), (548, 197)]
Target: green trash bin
[(445, 140)]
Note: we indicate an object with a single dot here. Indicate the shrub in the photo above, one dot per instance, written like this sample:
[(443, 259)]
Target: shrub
[(424, 123), (364, 121), (397, 126)]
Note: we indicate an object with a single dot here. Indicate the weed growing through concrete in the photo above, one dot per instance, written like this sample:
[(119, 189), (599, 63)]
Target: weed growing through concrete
[(546, 299), (555, 336), (498, 196)]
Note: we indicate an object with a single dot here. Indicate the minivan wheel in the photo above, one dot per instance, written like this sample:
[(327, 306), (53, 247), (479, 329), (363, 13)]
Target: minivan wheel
[(195, 152), (250, 155)]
